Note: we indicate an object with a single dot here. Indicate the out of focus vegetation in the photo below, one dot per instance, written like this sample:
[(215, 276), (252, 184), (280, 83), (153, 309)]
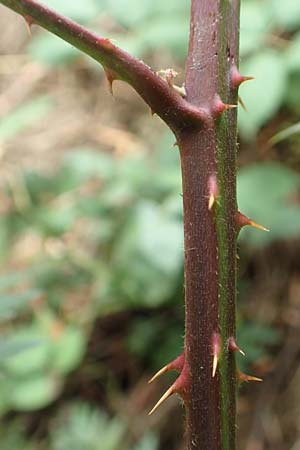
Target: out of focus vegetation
[(92, 241)]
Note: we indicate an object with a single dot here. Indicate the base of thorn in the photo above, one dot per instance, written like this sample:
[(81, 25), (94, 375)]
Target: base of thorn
[(177, 364), (242, 221), (232, 345)]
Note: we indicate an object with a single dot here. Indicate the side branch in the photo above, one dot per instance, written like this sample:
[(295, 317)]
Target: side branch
[(155, 91)]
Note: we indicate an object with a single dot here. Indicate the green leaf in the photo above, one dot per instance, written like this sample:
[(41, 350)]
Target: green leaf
[(86, 163), (51, 50), (25, 116), (32, 359), (34, 393), (148, 256), (12, 279), (286, 14), (292, 96), (254, 25), (264, 95), (79, 10), (10, 305), (291, 54), (286, 133), (255, 337), (11, 347), (68, 350), (83, 427), (171, 34), (148, 442), (265, 194)]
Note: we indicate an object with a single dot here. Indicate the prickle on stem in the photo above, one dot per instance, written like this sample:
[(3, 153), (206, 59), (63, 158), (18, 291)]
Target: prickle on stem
[(212, 186), (177, 365), (180, 386), (244, 377), (242, 103), (166, 395), (219, 106), (242, 220), (216, 346), (29, 22), (237, 79), (232, 345), (111, 76)]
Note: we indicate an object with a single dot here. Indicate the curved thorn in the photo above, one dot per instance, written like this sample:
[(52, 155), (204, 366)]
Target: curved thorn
[(234, 347), (160, 372), (166, 395), (237, 79), (111, 77), (176, 364), (29, 22)]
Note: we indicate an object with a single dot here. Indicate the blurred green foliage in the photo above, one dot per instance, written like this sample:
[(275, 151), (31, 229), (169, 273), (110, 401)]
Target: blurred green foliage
[(106, 233), (270, 43)]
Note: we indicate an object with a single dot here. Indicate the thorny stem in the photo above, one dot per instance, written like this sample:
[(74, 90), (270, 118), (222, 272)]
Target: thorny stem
[(208, 158), (205, 125)]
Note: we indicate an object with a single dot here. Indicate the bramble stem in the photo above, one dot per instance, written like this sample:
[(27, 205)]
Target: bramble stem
[(208, 158), (205, 125)]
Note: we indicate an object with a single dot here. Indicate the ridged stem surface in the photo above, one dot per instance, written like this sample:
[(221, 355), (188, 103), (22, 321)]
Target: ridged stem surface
[(209, 153)]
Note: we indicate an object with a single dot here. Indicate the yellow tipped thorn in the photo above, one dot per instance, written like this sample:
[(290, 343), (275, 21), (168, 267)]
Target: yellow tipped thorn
[(242, 103), (215, 365), (242, 221), (243, 377), (211, 201), (226, 106), (166, 395), (159, 373), (256, 225), (28, 21), (234, 347)]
